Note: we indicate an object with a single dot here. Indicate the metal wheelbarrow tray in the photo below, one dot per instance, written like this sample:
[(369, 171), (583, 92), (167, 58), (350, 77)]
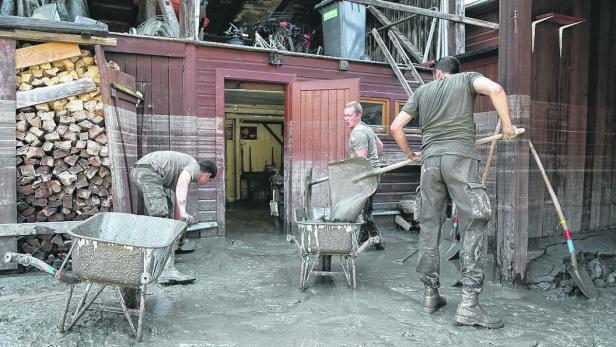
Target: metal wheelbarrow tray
[(115, 249), (319, 240)]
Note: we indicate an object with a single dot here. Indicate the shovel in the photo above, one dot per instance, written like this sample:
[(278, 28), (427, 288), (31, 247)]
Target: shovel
[(579, 275)]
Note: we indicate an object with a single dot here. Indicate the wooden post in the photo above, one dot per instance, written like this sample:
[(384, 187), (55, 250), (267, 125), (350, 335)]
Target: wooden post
[(189, 19), (457, 30), (8, 174), (514, 58)]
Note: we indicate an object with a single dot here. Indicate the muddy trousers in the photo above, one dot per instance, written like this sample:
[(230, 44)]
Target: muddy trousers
[(150, 183), (455, 177), (369, 228)]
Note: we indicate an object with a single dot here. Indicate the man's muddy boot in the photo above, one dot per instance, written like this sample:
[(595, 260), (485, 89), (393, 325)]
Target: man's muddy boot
[(171, 275), (470, 313), (432, 300), (186, 246)]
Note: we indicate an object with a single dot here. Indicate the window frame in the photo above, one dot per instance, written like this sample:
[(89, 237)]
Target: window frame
[(399, 104), (385, 113)]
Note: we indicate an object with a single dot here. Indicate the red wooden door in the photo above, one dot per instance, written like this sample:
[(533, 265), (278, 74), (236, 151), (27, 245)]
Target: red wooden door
[(316, 135)]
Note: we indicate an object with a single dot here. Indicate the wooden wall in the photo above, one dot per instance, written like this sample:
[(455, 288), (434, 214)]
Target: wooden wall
[(181, 87), (572, 104)]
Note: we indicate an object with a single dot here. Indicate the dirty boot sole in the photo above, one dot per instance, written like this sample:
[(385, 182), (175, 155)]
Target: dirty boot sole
[(461, 320)]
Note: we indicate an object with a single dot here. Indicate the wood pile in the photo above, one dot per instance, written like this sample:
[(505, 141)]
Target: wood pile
[(50, 248), (62, 154)]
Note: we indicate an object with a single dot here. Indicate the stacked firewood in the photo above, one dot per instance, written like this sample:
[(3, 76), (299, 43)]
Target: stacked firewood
[(50, 248), (62, 154)]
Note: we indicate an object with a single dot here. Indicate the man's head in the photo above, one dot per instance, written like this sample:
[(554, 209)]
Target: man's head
[(208, 172), (446, 66), (352, 114)]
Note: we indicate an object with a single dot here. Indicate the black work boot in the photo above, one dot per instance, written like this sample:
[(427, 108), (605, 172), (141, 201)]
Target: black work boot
[(470, 313), (432, 300)]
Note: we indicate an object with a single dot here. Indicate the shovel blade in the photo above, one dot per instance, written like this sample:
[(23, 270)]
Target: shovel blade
[(582, 279), (454, 250)]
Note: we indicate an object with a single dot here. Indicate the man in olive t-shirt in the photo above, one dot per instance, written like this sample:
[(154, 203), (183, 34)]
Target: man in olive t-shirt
[(157, 171), (363, 142), (450, 169)]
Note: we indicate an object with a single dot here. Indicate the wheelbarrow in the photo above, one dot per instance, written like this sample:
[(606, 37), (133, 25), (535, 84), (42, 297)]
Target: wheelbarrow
[(112, 249), (320, 240)]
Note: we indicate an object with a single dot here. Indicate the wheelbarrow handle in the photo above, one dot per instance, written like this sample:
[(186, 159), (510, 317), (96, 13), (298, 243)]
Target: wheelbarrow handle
[(28, 260)]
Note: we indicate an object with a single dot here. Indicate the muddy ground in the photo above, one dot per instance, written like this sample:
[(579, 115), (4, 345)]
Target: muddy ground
[(246, 295)]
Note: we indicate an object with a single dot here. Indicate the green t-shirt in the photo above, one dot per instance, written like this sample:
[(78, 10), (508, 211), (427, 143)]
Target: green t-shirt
[(170, 164), (362, 136), (445, 108)]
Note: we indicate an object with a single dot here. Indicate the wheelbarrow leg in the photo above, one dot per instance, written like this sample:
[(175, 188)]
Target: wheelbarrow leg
[(66, 306), (125, 311), (85, 307), (83, 299), (302, 279), (353, 273), (141, 313)]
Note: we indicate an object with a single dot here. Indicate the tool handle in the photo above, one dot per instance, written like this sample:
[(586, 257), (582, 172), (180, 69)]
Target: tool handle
[(319, 180), (496, 137), (559, 211)]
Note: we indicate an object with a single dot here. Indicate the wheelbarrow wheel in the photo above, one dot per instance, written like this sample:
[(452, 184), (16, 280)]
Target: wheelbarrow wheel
[(131, 296)]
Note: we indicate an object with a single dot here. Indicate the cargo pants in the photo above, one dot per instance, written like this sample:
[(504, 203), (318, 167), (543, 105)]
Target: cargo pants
[(369, 228), (455, 177), (156, 200)]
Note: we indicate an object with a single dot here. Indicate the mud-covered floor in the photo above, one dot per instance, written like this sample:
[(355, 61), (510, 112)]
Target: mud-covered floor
[(246, 295)]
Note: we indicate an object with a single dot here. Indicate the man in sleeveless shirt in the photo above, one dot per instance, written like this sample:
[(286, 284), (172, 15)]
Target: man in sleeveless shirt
[(450, 169), (161, 170), (363, 142)]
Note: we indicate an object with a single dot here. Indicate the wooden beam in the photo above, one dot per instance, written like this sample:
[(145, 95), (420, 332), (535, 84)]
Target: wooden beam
[(404, 41), (50, 26), (8, 171), (512, 169), (45, 94), (45, 53), (189, 19), (429, 13), (24, 229), (169, 15), (39, 36), (457, 31)]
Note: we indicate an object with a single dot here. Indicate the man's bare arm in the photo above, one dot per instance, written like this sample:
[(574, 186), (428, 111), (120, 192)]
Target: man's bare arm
[(397, 131), (181, 193), (498, 97), (362, 152), (379, 146)]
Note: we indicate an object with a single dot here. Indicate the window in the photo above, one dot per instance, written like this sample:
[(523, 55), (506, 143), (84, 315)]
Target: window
[(414, 124), (376, 113)]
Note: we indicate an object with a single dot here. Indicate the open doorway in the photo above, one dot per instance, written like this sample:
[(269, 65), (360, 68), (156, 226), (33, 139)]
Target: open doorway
[(254, 155)]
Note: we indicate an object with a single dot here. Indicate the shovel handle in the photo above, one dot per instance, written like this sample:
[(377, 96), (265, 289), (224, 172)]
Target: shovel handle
[(559, 211), (319, 180), (496, 137)]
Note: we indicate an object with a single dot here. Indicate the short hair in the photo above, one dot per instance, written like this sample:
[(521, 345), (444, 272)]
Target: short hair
[(208, 166), (448, 64), (356, 106)]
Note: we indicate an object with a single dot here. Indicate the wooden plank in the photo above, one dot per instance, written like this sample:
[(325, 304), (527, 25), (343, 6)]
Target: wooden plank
[(458, 32), (55, 92), (167, 10), (402, 223), (189, 19), (39, 36), (426, 12), (45, 53), (24, 229), (49, 26), (404, 41), (160, 100)]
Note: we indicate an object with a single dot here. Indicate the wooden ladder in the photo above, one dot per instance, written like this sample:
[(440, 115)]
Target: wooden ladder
[(407, 64)]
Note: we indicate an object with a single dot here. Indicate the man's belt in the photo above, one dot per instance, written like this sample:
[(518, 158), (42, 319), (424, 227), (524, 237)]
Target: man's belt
[(143, 166)]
